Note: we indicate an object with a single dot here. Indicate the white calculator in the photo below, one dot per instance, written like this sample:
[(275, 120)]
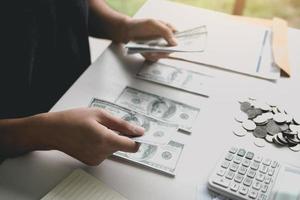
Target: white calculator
[(244, 175)]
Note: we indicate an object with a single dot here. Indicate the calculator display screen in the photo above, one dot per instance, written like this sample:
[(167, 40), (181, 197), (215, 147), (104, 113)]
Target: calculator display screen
[(288, 184)]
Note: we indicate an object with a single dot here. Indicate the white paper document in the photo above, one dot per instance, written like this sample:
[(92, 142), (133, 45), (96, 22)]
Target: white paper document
[(79, 185)]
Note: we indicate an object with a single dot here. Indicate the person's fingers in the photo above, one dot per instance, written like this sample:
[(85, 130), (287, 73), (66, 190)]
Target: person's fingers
[(121, 143), (173, 28), (165, 32), (117, 124)]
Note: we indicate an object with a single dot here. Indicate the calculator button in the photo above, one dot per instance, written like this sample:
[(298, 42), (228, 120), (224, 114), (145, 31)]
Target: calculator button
[(246, 162), (256, 185), (253, 194), (221, 181), (249, 155), (274, 164), (247, 181), (234, 186), (258, 159), (264, 188), (268, 179), (267, 161), (233, 150), (238, 159), (243, 190), (260, 177), (251, 173), (230, 175), (225, 164), (238, 178), (229, 156), (241, 152), (263, 169), (254, 165), (234, 167), (262, 197), (221, 172), (242, 170), (271, 171)]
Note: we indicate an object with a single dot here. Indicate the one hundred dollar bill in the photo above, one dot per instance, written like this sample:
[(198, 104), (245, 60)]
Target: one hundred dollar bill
[(190, 81), (191, 40), (163, 158), (159, 108), (156, 132)]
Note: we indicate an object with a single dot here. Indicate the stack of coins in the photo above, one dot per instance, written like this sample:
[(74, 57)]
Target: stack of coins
[(268, 122)]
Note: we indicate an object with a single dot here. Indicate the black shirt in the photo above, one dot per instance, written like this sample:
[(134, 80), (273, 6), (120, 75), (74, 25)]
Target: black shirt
[(44, 50)]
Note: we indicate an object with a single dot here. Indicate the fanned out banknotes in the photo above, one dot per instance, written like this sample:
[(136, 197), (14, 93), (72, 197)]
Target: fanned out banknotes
[(157, 151), (186, 80), (156, 132), (159, 107), (191, 40), (163, 158)]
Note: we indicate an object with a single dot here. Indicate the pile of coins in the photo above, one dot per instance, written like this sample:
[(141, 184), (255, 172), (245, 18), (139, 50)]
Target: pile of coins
[(268, 122)]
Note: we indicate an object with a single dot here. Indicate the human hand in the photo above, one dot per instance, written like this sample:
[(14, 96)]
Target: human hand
[(140, 29), (88, 134)]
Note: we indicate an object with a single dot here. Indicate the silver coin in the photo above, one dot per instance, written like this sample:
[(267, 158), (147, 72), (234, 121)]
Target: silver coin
[(294, 128), (249, 125), (281, 109), (243, 99), (260, 132), (276, 141), (284, 127), (239, 131), (280, 137), (241, 117), (264, 106), (259, 142), (279, 118), (273, 128), (268, 115), (260, 120), (269, 138), (296, 120), (245, 106), (295, 148), (289, 118)]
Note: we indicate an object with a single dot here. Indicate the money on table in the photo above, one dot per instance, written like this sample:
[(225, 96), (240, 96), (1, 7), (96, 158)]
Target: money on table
[(268, 123), (156, 132), (163, 158), (191, 40), (159, 108), (187, 80)]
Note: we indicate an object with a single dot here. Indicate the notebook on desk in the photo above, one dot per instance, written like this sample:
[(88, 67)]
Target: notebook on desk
[(81, 185)]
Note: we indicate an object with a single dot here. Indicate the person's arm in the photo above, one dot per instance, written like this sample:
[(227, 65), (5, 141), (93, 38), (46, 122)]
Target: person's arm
[(106, 23), (85, 134)]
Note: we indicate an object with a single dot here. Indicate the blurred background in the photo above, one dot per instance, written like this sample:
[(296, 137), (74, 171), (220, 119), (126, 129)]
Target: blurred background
[(286, 9)]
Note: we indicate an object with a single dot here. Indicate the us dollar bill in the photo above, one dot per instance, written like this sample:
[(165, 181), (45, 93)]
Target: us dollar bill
[(163, 158), (190, 40), (156, 132), (159, 108), (187, 80)]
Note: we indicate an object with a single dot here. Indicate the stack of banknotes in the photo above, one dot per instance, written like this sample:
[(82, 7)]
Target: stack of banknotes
[(161, 118), (191, 40)]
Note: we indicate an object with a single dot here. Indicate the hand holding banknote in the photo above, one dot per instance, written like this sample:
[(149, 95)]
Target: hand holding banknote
[(85, 134), (146, 29)]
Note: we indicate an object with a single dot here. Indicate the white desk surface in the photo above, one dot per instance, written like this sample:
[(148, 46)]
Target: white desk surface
[(33, 175)]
